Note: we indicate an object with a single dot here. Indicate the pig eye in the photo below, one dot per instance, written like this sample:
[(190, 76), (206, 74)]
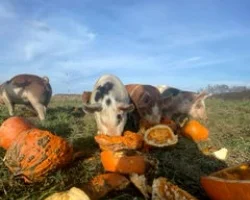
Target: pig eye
[(119, 118)]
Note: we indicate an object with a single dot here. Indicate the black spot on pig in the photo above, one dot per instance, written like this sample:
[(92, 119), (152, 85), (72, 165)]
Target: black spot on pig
[(108, 102), (103, 90)]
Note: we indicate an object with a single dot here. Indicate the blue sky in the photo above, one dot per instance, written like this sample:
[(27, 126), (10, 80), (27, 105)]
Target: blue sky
[(183, 43)]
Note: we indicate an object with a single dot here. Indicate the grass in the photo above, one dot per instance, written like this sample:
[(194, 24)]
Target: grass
[(229, 125)]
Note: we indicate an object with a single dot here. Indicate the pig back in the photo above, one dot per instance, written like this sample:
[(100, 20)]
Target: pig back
[(38, 87)]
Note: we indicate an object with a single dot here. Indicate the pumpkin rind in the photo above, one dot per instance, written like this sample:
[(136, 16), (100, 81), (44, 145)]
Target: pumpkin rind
[(124, 162), (36, 153), (230, 183), (129, 140), (195, 131), (163, 189), (160, 136), (11, 128)]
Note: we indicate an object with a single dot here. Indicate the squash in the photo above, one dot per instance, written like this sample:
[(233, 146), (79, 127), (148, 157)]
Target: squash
[(129, 140), (194, 130), (37, 152), (102, 184), (231, 183), (123, 161), (163, 189), (10, 130), (160, 136), (73, 193)]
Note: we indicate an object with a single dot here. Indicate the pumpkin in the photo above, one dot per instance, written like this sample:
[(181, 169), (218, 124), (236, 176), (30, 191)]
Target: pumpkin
[(160, 136), (163, 189), (102, 184), (230, 183), (37, 152), (123, 161), (194, 130), (71, 194), (11, 128), (129, 140)]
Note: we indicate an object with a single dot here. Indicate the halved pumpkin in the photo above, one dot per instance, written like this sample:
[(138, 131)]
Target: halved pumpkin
[(160, 136), (124, 161), (163, 189), (195, 130), (129, 140), (230, 183)]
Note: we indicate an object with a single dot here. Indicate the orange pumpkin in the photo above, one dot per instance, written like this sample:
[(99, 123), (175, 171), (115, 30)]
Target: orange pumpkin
[(124, 161), (130, 140), (195, 130), (160, 136), (230, 183), (11, 128), (37, 152), (163, 189)]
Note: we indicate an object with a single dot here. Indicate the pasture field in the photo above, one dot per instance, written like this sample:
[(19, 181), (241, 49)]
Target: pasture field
[(229, 125)]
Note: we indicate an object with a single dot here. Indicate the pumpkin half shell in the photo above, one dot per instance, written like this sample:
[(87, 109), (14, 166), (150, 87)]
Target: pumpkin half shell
[(37, 152), (230, 183), (160, 136)]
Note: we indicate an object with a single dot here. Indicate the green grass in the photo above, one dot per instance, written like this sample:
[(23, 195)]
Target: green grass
[(229, 125)]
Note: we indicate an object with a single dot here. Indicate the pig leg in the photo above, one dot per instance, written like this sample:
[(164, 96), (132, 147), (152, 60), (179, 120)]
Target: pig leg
[(8, 103), (40, 109)]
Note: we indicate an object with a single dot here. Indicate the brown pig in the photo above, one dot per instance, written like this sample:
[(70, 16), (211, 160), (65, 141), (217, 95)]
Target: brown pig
[(148, 104), (184, 102), (27, 89)]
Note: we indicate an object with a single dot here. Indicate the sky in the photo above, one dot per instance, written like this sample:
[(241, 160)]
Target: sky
[(186, 44)]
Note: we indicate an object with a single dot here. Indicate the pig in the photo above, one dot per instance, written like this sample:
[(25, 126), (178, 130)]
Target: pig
[(27, 89), (148, 105), (184, 102), (110, 103)]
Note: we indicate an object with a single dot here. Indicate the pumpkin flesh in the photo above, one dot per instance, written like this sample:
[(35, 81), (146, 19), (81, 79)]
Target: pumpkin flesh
[(36, 153), (160, 136)]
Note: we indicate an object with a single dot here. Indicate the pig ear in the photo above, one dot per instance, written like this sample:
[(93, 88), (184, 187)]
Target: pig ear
[(127, 108), (201, 96), (91, 108)]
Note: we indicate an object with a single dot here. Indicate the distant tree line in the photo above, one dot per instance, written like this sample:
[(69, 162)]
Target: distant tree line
[(223, 88)]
